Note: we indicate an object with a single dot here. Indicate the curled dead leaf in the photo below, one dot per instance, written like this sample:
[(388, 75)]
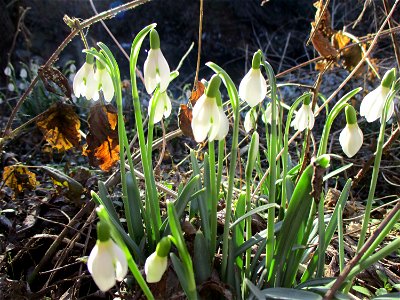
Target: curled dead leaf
[(60, 126), (51, 74), (19, 178), (102, 147)]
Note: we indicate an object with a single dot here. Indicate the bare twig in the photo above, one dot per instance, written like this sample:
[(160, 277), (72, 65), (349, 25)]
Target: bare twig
[(19, 25)]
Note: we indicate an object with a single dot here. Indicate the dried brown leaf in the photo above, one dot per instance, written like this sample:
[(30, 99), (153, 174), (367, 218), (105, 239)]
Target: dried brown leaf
[(60, 126)]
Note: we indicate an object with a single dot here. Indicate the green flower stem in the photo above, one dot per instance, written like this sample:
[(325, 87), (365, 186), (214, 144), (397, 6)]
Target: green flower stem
[(234, 98), (340, 238), (272, 163), (150, 130), (342, 103), (285, 154), (103, 215), (221, 147), (147, 170), (321, 237), (178, 240), (377, 163), (214, 200)]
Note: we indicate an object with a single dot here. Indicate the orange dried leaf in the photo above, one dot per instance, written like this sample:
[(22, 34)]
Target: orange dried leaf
[(60, 126), (185, 120), (102, 147), (19, 178), (197, 92)]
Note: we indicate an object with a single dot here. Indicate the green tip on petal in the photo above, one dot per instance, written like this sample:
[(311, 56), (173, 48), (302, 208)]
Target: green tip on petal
[(389, 78), (351, 116), (213, 86), (163, 247), (100, 65), (154, 39), (103, 231), (307, 100), (256, 60), (89, 58)]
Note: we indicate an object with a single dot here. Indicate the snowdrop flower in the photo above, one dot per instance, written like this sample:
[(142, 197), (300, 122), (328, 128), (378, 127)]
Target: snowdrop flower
[(156, 264), (250, 120), (351, 137), (373, 103), (7, 71), (267, 115), (11, 87), (84, 82), (304, 117), (162, 107), (156, 68), (209, 118), (103, 82), (106, 262), (253, 87), (23, 73)]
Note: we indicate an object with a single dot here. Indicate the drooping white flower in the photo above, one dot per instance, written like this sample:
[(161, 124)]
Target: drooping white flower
[(11, 87), (156, 264), (250, 120), (253, 87), (163, 107), (373, 103), (156, 68), (155, 267), (23, 73), (104, 82), (7, 71), (107, 263), (304, 118), (351, 137), (208, 118), (267, 115), (85, 84)]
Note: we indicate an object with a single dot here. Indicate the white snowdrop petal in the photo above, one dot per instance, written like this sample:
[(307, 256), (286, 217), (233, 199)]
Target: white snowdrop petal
[(155, 267), (223, 125), (167, 106), (107, 85), (150, 71), (253, 87), (23, 73), (100, 265), (163, 70), (351, 139), (121, 264)]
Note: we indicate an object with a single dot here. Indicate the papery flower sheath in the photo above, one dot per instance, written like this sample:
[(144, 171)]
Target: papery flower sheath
[(208, 118), (373, 103), (253, 87), (351, 137), (163, 107), (156, 68), (85, 84), (107, 263)]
